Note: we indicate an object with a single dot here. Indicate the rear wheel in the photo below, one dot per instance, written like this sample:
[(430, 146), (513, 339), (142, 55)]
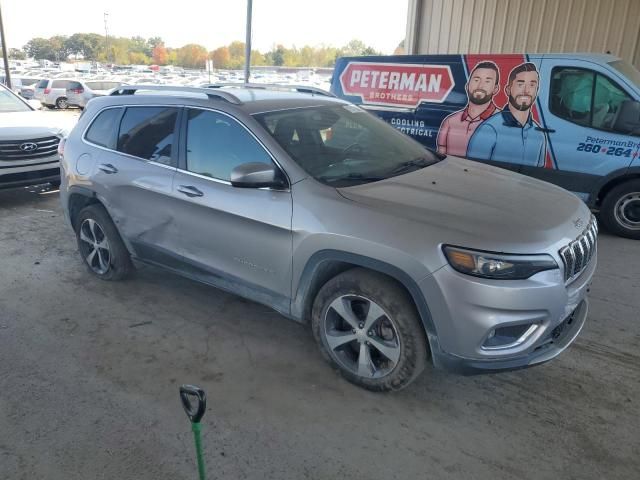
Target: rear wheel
[(368, 328), (620, 212), (62, 103), (100, 245)]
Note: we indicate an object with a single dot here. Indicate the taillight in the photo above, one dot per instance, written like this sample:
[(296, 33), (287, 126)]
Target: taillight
[(47, 91), (77, 90), (61, 147)]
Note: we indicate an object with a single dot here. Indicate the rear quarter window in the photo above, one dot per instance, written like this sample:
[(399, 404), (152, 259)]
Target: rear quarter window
[(148, 133), (104, 127)]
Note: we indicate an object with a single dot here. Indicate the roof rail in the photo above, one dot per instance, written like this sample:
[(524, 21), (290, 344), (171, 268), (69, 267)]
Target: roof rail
[(217, 95), (273, 86)]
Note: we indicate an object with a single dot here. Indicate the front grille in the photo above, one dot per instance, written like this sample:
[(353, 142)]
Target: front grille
[(577, 255), (10, 150)]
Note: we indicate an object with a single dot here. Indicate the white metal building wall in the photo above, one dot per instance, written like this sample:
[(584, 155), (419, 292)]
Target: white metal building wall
[(525, 26)]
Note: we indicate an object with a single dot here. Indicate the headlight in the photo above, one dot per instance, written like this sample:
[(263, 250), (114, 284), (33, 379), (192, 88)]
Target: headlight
[(498, 266)]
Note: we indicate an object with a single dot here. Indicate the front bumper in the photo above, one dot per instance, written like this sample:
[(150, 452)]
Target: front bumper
[(47, 170), (466, 311)]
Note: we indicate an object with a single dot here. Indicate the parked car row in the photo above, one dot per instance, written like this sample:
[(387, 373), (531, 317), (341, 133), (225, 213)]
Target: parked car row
[(65, 93), (23, 86)]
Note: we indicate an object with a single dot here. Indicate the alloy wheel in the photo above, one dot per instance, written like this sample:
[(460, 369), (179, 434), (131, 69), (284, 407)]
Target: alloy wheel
[(94, 246), (361, 337)]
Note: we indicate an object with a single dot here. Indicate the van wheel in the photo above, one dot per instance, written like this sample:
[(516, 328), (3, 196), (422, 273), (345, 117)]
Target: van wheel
[(61, 103), (100, 245), (367, 327), (620, 211)]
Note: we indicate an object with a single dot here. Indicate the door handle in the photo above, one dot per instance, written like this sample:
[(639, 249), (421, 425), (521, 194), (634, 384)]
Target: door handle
[(190, 191), (108, 168)]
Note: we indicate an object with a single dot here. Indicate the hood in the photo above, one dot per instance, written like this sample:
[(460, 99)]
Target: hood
[(31, 124), (478, 206)]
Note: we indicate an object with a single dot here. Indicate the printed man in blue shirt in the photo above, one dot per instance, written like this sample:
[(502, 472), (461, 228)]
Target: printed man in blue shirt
[(512, 135)]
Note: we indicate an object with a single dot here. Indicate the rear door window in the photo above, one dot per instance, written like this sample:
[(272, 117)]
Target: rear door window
[(149, 133), (103, 129), (60, 84), (29, 81), (74, 86)]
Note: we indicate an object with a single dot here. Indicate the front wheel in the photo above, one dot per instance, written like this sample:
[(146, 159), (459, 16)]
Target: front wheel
[(367, 327), (100, 245), (620, 211)]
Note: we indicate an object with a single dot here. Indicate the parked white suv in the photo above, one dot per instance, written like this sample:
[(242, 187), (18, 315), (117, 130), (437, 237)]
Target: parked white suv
[(80, 92), (28, 143), (53, 92)]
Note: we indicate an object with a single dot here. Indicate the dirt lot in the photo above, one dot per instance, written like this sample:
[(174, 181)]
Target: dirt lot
[(89, 374)]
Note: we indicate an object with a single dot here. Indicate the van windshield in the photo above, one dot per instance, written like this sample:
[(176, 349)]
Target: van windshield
[(628, 71), (343, 145)]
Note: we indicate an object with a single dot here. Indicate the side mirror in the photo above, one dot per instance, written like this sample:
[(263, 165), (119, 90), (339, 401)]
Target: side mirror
[(256, 175), (628, 117), (33, 103)]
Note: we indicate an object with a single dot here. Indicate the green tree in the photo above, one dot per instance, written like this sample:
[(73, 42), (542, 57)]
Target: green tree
[(17, 54), (356, 48), (59, 46), (87, 45), (40, 49)]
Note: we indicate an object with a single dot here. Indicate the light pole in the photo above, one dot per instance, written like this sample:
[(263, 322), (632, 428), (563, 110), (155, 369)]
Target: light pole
[(4, 53), (247, 45), (106, 35)]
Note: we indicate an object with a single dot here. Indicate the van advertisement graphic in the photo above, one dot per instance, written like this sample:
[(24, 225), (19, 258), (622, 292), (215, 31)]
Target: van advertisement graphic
[(480, 106), (397, 84)]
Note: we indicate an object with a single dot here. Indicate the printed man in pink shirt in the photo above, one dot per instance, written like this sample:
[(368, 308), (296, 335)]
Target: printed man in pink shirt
[(457, 128)]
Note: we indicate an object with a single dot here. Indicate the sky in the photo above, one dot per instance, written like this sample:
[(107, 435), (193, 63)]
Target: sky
[(213, 23)]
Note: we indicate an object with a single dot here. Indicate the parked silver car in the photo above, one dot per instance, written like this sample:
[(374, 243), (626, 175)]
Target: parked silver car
[(306, 203), (28, 143), (80, 92), (52, 93), (23, 86)]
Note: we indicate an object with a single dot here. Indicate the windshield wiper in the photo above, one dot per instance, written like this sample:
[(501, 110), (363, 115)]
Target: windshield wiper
[(408, 166), (355, 177)]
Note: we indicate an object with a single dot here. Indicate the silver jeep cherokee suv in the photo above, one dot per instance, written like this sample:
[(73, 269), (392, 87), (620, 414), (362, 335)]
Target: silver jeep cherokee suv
[(312, 206)]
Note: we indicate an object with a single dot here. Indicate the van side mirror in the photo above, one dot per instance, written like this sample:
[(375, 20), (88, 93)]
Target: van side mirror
[(257, 175), (628, 117)]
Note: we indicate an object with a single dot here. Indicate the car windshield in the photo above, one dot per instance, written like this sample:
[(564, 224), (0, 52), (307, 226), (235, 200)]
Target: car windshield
[(342, 145), (10, 103), (628, 70)]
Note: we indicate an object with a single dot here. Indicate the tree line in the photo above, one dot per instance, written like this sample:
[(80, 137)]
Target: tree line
[(150, 51)]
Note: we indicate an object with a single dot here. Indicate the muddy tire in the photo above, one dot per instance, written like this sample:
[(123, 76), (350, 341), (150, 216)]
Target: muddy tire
[(100, 245), (368, 328)]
